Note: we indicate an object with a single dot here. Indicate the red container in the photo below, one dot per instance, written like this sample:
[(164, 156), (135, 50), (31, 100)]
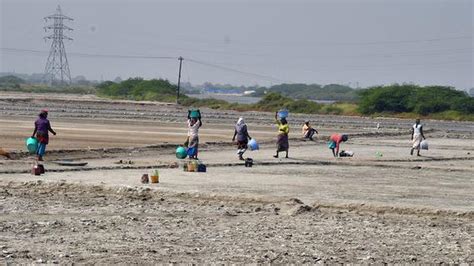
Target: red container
[(41, 167), (36, 170)]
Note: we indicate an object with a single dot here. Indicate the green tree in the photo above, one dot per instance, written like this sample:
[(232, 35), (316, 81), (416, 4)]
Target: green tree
[(412, 98)]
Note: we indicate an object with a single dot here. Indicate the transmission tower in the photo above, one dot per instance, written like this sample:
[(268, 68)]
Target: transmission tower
[(57, 67)]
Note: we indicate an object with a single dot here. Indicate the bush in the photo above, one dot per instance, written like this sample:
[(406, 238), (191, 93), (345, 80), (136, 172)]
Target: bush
[(275, 101), (412, 98), (139, 90), (463, 105), (332, 110), (11, 80), (311, 91)]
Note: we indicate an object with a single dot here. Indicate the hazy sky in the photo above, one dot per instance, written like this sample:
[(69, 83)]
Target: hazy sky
[(365, 42)]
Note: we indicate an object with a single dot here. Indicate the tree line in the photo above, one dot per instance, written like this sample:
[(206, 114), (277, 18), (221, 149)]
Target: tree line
[(422, 100)]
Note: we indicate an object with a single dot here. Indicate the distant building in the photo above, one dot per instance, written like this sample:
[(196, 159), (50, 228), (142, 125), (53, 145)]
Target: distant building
[(471, 92), (248, 92), (221, 90)]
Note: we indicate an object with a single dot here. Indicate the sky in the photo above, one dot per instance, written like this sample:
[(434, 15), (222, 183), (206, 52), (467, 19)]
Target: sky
[(355, 42)]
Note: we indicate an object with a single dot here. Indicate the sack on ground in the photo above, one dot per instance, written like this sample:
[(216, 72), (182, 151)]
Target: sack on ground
[(253, 145), (346, 154), (424, 145)]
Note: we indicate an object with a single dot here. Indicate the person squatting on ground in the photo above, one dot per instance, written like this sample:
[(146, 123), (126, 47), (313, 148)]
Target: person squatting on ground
[(282, 138), (192, 142), (42, 128), (416, 137), (243, 137), (334, 143), (308, 131)]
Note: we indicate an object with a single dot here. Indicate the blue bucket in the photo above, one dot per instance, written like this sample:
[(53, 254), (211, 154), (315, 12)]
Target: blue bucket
[(253, 145), (283, 113), (181, 152), (195, 113), (32, 145)]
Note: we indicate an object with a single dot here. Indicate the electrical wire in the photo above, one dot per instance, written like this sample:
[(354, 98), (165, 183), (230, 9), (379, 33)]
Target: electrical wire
[(246, 73), (93, 55), (465, 37), (265, 77)]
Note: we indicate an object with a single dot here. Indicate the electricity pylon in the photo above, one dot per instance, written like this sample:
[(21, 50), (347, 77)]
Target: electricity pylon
[(57, 67)]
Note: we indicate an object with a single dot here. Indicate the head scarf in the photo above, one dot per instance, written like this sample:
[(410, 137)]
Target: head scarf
[(240, 122), (240, 125), (43, 113)]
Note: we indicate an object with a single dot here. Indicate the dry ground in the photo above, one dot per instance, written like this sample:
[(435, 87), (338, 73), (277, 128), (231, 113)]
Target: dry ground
[(306, 209)]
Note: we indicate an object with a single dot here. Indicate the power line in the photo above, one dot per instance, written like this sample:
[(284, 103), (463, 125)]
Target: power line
[(94, 55), (219, 65), (386, 66), (407, 53), (124, 56), (283, 43), (383, 55), (265, 77), (248, 53), (253, 42), (260, 76)]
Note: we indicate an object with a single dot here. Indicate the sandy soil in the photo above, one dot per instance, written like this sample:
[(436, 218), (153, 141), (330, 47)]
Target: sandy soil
[(310, 208)]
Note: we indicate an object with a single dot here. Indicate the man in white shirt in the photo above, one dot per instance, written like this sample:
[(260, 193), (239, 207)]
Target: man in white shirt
[(416, 137)]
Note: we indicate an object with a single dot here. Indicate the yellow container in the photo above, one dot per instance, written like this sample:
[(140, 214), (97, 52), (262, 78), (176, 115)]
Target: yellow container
[(192, 166), (155, 179)]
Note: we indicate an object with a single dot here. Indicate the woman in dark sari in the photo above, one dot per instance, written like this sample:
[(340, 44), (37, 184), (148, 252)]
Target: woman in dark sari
[(243, 137)]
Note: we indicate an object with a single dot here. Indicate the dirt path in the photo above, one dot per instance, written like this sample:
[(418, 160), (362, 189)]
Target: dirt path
[(61, 223)]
